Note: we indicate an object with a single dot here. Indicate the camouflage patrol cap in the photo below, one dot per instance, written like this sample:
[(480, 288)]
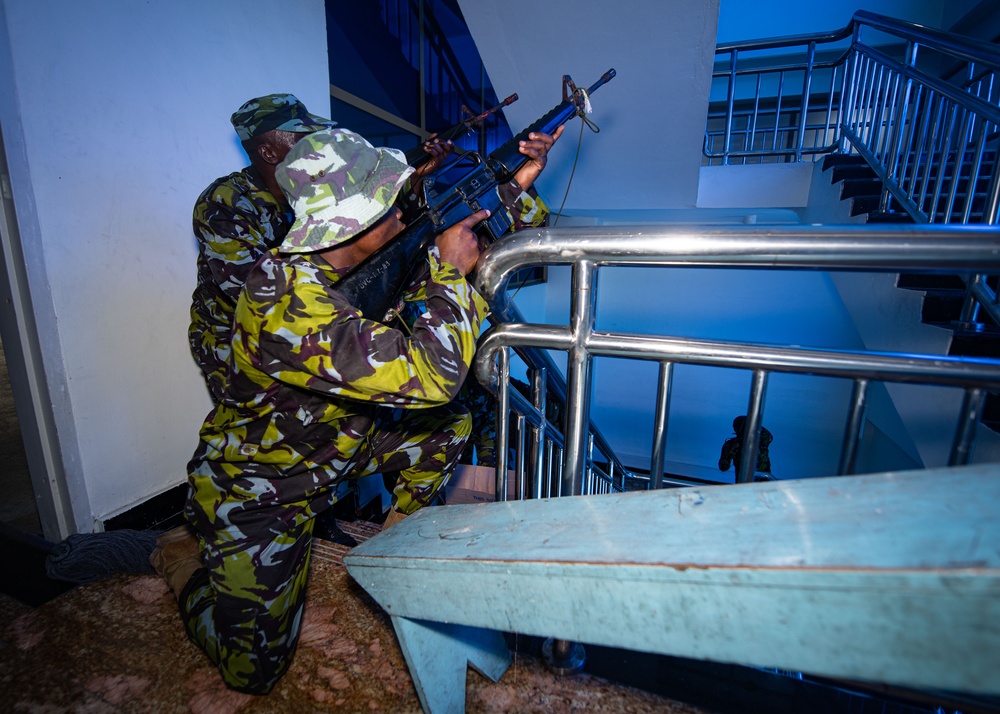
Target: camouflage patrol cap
[(283, 112), (339, 185)]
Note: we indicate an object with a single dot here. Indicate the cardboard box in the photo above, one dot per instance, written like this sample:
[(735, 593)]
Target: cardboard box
[(475, 484)]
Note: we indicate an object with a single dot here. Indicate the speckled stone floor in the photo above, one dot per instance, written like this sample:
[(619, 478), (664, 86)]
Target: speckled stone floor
[(118, 646)]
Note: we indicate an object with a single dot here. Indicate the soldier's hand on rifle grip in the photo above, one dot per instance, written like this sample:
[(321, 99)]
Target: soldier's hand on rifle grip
[(459, 245), (439, 151), (536, 149)]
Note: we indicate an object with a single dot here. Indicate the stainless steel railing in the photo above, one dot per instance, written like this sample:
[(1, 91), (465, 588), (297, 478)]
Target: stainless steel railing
[(931, 249), (920, 105), (776, 100), (534, 433), (925, 118)]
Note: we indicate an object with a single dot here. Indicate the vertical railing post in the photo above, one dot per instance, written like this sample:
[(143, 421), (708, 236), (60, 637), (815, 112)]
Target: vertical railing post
[(751, 430), (972, 407), (847, 95), (990, 208), (804, 105), (578, 376), (519, 456), (730, 102), (564, 656), (660, 425), (502, 423), (538, 440), (969, 316), (894, 145), (855, 428), (422, 69)]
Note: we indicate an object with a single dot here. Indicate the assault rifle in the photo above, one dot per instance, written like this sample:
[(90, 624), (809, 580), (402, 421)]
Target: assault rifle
[(417, 156), (375, 284)]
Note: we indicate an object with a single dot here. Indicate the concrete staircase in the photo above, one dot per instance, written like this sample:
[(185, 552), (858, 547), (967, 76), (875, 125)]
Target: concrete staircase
[(943, 295)]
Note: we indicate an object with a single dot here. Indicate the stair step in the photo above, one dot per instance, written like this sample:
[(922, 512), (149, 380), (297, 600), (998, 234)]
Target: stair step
[(976, 344), (852, 171), (937, 284), (941, 310), (831, 160), (851, 188), (860, 205), (889, 217)]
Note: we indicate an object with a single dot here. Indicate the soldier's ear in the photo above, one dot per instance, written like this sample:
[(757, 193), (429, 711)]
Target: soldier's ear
[(269, 154)]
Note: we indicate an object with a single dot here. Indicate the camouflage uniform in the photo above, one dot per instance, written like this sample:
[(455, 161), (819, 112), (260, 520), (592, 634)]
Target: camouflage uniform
[(525, 210), (306, 408), (236, 220)]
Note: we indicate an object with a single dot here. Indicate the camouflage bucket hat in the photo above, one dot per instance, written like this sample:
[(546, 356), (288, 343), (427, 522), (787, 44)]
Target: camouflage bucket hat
[(283, 112), (339, 185)]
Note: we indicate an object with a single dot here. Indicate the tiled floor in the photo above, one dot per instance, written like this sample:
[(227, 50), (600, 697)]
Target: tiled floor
[(118, 646)]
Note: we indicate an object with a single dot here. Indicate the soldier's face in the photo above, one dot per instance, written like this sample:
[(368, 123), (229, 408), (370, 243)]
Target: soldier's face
[(278, 144), (382, 232)]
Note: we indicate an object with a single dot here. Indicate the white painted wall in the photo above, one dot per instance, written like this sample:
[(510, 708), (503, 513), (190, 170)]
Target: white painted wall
[(121, 114), (760, 186), (652, 115)]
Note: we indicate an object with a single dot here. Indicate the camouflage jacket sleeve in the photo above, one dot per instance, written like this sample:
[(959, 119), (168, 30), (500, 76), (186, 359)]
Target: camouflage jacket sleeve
[(235, 222), (525, 208), (308, 336)]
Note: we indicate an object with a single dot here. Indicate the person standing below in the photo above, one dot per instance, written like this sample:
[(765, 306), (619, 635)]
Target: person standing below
[(732, 451), (319, 394)]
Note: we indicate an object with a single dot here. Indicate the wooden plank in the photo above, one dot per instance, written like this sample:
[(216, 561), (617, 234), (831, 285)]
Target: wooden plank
[(890, 578), (437, 655)]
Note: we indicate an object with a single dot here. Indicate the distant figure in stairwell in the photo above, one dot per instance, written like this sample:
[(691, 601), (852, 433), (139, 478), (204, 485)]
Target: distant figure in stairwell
[(732, 450)]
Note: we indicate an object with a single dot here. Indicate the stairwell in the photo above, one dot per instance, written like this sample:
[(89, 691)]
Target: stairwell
[(944, 296)]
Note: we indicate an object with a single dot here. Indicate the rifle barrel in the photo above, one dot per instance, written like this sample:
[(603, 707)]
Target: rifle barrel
[(417, 156), (507, 159), (375, 284)]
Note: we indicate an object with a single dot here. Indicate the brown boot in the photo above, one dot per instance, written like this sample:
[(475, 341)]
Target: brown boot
[(393, 518), (176, 556)]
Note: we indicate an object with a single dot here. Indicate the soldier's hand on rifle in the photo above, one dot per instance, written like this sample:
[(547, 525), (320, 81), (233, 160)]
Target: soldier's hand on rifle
[(536, 149), (459, 245), (439, 151)]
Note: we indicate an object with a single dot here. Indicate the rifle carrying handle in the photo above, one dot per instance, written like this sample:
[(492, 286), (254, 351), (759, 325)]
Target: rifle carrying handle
[(507, 159)]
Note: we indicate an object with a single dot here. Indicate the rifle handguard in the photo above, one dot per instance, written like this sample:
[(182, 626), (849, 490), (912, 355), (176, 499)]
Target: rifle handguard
[(374, 286)]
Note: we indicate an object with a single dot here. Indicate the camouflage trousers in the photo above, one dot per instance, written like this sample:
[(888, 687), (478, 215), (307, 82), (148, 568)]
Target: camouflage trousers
[(245, 608)]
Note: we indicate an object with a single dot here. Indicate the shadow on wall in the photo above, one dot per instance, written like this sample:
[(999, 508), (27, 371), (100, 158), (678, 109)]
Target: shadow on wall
[(17, 507)]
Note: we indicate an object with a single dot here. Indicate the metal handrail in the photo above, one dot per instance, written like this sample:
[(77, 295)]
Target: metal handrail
[(862, 77), (933, 141), (606, 470), (930, 249)]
